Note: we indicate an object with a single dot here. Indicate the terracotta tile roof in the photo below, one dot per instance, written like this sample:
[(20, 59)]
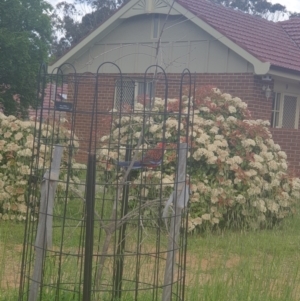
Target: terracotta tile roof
[(292, 28), (266, 40)]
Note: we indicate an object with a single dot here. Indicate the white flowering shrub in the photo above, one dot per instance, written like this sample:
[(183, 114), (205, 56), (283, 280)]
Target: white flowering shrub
[(238, 175), (16, 145)]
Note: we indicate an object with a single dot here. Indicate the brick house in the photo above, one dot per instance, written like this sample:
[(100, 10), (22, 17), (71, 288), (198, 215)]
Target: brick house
[(246, 56), (52, 93)]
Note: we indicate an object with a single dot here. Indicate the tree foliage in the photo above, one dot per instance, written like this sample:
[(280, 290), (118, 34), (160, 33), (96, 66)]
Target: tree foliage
[(261, 8), (25, 36), (73, 21)]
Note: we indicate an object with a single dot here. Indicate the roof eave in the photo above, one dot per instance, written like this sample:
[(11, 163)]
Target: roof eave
[(285, 73)]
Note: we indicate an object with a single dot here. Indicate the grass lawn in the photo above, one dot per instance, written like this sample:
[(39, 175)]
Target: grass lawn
[(232, 266)]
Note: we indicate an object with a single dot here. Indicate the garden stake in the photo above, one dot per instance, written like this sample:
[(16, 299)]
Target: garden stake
[(44, 230), (89, 234), (179, 203), (118, 273)]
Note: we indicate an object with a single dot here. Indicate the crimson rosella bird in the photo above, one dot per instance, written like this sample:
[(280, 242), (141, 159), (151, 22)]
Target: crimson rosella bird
[(151, 159)]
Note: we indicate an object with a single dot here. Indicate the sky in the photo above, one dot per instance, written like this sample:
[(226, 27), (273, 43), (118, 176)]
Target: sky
[(54, 2), (291, 5)]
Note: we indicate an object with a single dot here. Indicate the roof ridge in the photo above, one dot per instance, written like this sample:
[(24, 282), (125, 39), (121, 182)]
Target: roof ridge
[(290, 37), (289, 20), (230, 9)]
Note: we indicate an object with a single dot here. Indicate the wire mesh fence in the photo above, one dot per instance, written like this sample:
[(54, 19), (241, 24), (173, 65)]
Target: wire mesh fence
[(108, 196)]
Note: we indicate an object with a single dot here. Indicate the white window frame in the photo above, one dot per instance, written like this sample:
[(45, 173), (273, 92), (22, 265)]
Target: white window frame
[(155, 24), (282, 96), (52, 92), (148, 88), (275, 111), (137, 84)]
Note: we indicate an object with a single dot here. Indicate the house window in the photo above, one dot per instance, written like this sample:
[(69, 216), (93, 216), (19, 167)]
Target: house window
[(285, 111), (141, 89), (132, 92), (155, 26), (124, 93)]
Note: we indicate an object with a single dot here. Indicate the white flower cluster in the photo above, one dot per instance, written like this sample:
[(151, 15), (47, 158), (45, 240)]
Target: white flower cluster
[(16, 153), (238, 172)]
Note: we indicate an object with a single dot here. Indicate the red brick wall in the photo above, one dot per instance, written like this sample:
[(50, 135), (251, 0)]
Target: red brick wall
[(244, 85), (289, 140), (86, 102)]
